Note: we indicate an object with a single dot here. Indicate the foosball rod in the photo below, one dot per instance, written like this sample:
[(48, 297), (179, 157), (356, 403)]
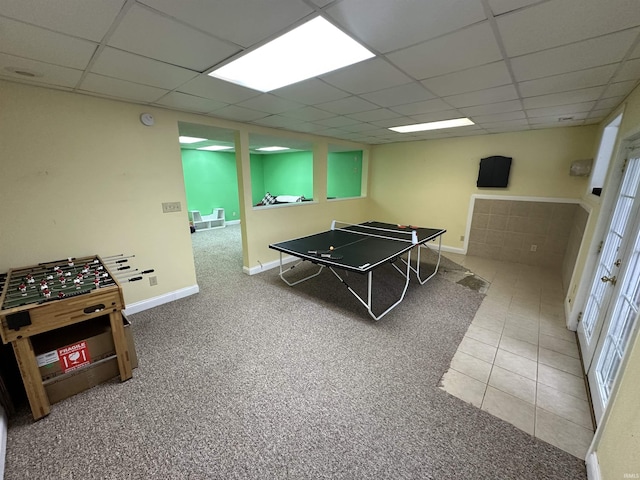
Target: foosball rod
[(119, 259), (124, 276)]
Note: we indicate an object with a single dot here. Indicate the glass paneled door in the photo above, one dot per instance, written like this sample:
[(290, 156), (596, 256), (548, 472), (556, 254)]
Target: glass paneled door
[(613, 302), (609, 262)]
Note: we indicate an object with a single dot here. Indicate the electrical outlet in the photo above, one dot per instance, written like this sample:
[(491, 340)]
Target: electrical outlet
[(534, 248), (153, 281), (171, 207), (234, 214)]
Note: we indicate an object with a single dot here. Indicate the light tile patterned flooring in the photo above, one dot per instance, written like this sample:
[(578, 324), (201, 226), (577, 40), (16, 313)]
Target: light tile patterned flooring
[(518, 361)]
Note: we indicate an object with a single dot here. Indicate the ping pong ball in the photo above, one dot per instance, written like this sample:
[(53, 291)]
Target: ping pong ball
[(331, 247)]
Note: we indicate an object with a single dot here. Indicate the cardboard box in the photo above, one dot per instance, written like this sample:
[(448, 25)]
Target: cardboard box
[(78, 357)]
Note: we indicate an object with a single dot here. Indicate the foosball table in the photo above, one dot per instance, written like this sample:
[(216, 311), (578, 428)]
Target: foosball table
[(49, 296)]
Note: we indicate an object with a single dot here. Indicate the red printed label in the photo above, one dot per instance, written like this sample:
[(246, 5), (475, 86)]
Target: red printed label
[(73, 356)]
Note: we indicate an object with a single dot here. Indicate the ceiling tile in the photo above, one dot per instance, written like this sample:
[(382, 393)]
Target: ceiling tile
[(224, 19), (482, 97), (561, 110), (550, 24), (498, 7), (371, 115), (500, 107), (22, 40), (477, 78), (436, 116), (360, 127), (564, 98), (309, 114), (366, 76), (629, 71), (338, 122), (375, 22), (554, 119), (499, 117), (612, 102), (567, 81), (389, 97), (152, 35), (216, 89), (620, 89), (520, 122), (427, 106), (578, 56), (276, 121), (270, 104), (44, 72), (128, 66), (191, 103), (240, 114), (120, 88), (463, 49), (311, 92), (88, 19), (345, 106)]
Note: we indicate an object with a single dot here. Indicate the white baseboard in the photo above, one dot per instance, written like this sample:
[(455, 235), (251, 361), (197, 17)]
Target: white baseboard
[(593, 467), (263, 267), (3, 440), (161, 299)]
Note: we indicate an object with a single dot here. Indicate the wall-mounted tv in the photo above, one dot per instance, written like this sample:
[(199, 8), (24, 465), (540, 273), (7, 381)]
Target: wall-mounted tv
[(494, 172)]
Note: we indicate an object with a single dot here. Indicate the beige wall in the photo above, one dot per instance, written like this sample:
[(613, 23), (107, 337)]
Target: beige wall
[(81, 175), (430, 183)]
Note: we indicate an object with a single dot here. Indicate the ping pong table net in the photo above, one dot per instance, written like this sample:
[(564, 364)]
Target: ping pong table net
[(373, 229)]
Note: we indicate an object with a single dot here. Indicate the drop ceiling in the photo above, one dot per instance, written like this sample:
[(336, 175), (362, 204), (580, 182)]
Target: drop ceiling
[(507, 64)]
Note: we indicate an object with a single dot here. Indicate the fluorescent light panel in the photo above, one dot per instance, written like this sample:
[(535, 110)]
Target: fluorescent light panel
[(187, 140), (214, 148), (272, 149), (307, 51), (419, 127)]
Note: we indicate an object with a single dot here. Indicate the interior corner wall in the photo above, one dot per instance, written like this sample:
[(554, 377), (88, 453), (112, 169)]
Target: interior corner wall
[(81, 176), (431, 182)]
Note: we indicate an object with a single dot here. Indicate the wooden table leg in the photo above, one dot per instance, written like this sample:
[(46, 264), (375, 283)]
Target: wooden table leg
[(26, 358), (120, 342)]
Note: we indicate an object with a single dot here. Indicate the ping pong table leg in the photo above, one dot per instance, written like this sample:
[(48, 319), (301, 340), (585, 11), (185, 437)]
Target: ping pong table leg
[(416, 270), (368, 302), (291, 284)]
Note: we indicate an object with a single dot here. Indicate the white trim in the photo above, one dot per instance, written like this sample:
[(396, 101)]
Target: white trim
[(161, 299), (232, 222), (475, 196), (263, 267), (593, 467), (3, 440)]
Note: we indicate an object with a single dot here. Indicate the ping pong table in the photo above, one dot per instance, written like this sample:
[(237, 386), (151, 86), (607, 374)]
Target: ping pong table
[(361, 248)]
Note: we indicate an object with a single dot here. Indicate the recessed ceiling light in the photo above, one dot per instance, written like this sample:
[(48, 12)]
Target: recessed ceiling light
[(215, 148), (272, 149), (312, 49), (191, 139), (418, 127)]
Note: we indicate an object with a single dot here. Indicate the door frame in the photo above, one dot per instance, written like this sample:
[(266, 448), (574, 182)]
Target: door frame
[(607, 202)]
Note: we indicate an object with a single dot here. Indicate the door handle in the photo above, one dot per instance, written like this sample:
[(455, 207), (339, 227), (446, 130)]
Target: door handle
[(606, 279)]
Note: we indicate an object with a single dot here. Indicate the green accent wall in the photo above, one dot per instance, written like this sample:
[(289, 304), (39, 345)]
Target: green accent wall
[(211, 177), (288, 173), (211, 181), (344, 174)]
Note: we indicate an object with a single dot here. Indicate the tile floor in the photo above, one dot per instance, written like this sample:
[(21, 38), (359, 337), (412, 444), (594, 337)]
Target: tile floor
[(518, 361)]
